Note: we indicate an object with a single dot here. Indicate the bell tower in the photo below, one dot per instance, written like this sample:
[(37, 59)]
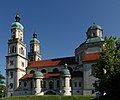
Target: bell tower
[(16, 61), (34, 53)]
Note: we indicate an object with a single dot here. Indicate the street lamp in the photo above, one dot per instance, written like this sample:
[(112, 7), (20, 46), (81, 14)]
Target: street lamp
[(2, 94), (60, 94), (98, 92)]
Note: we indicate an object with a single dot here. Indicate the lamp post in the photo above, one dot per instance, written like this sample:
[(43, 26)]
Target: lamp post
[(98, 92), (2, 94), (60, 95)]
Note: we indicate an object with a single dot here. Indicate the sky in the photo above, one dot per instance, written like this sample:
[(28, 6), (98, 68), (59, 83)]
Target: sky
[(61, 25)]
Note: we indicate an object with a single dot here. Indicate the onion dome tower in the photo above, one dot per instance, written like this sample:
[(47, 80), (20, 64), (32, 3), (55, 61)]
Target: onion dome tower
[(34, 53), (16, 61), (38, 82), (17, 29), (65, 81)]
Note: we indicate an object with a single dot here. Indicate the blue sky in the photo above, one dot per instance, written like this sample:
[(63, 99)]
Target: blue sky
[(61, 25)]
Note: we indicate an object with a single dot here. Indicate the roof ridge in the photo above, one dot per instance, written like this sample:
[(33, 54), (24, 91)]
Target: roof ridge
[(52, 59)]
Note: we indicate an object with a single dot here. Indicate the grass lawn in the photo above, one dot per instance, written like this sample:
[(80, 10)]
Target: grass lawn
[(50, 98)]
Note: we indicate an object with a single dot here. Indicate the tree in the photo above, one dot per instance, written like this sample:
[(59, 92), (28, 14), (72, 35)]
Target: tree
[(108, 67), (2, 85)]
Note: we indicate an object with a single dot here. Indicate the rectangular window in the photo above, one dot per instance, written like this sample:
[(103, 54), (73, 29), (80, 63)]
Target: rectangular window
[(75, 84), (79, 84), (22, 63), (11, 62)]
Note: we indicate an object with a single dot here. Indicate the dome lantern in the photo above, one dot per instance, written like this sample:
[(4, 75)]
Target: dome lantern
[(94, 31), (94, 26)]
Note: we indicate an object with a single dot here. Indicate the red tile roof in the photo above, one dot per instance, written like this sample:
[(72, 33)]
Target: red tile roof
[(52, 75), (46, 75), (26, 76), (90, 57), (52, 62)]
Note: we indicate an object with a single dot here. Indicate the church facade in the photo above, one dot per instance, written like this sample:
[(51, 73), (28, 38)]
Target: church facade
[(59, 76)]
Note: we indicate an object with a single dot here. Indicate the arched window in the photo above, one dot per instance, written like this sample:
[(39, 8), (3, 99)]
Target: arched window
[(19, 83), (44, 84), (32, 72), (11, 85), (55, 70), (13, 35), (25, 84), (15, 48), (43, 71), (12, 49), (41, 84), (94, 34), (31, 84), (22, 51), (70, 69), (79, 84), (58, 83), (32, 59), (11, 74), (51, 84)]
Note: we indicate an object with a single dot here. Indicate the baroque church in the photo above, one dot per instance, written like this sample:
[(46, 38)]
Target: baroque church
[(31, 75)]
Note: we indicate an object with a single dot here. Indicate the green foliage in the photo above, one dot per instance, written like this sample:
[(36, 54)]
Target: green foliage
[(2, 85), (2, 78), (50, 98), (108, 67), (2, 91)]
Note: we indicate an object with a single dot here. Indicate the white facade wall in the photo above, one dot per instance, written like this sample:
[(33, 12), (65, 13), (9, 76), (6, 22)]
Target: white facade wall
[(77, 85), (88, 79), (24, 90), (50, 69), (21, 63), (93, 49)]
